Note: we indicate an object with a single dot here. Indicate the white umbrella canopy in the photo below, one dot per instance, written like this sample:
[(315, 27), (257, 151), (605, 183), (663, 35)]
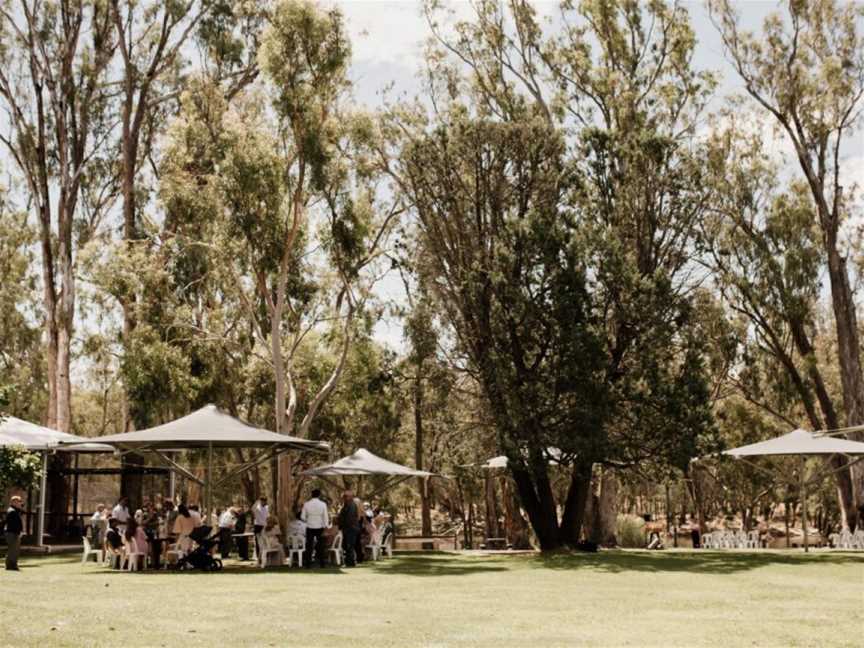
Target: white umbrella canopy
[(17, 432), (799, 442), (802, 444), (36, 438), (206, 427), (363, 463), (366, 464)]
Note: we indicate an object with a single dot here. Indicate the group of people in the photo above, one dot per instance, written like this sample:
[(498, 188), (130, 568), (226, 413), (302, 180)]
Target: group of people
[(153, 528), (149, 531)]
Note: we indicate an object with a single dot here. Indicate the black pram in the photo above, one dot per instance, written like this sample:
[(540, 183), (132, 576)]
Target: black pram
[(200, 557)]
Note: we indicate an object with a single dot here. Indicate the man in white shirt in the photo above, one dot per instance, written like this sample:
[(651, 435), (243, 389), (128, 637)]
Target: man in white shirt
[(226, 527), (121, 513), (317, 519), (260, 513)]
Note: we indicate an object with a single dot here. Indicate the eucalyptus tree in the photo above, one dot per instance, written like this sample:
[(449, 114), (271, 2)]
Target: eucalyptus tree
[(806, 71), (53, 65), (299, 226), (764, 247)]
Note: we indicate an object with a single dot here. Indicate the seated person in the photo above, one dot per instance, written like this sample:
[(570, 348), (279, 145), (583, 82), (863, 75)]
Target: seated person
[(329, 535), (271, 542), (296, 527), (183, 526), (114, 543)]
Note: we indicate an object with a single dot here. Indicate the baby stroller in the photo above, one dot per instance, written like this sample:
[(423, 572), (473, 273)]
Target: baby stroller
[(199, 557)]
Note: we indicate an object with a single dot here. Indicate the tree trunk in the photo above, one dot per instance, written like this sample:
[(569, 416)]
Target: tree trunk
[(516, 529), (606, 521), (423, 483), (574, 507), (491, 501), (544, 524)]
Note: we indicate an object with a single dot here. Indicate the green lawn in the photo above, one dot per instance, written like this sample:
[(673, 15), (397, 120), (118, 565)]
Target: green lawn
[(616, 598)]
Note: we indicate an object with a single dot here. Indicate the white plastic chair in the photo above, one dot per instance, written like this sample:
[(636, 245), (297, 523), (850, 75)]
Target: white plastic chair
[(375, 548), (132, 553), (336, 549), (753, 540), (387, 547), (707, 541), (265, 550), (90, 551), (296, 547)]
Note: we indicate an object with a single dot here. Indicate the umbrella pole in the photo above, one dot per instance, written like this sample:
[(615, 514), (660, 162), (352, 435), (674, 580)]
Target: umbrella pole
[(804, 503), (209, 493), (43, 484)]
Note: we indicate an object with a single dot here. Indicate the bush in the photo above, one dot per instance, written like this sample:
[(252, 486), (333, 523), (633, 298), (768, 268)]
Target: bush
[(631, 531)]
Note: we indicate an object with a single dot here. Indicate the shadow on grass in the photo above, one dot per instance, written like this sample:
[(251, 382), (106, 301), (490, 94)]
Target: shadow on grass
[(438, 565), (447, 564), (701, 562)]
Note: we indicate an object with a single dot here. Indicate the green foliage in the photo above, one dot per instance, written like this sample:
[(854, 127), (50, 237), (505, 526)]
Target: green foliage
[(18, 468)]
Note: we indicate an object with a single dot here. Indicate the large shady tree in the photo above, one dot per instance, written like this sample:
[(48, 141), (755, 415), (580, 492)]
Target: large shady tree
[(557, 208)]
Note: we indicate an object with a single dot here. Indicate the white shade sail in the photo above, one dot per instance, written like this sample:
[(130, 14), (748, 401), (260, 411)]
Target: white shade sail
[(17, 432), (799, 442), (204, 428), (363, 463)]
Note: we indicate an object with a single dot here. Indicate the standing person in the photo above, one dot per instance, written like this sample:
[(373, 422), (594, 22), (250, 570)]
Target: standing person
[(242, 541), (348, 522), (316, 517), (14, 528), (260, 513), (695, 533), (227, 521), (121, 513)]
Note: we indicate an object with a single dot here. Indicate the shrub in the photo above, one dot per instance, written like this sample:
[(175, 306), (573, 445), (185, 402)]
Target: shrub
[(631, 531)]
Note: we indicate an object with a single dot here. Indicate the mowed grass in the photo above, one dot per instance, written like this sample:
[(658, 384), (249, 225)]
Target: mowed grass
[(615, 598)]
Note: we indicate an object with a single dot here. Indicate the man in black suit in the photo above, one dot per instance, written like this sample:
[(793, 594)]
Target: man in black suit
[(242, 543), (349, 525), (14, 527)]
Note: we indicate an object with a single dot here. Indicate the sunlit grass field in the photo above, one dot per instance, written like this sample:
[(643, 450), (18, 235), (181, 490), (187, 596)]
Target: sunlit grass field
[(614, 598)]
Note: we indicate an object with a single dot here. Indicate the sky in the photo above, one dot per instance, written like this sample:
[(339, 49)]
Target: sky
[(387, 44)]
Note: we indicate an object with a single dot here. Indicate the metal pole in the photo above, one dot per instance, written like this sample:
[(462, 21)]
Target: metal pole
[(172, 485), (804, 503), (43, 484), (209, 492)]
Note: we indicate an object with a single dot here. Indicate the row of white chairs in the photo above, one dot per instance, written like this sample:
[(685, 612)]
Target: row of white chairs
[(732, 540), (848, 540), (296, 546)]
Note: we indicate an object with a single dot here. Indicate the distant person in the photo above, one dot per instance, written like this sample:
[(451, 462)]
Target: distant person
[(260, 513), (695, 533), (272, 542), (195, 514), (169, 516), (183, 526), (97, 526), (317, 518), (349, 518), (136, 532), (296, 527), (121, 512), (239, 528), (114, 542), (14, 529), (227, 522)]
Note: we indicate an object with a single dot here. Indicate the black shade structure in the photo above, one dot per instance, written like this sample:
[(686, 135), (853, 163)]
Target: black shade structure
[(209, 428)]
